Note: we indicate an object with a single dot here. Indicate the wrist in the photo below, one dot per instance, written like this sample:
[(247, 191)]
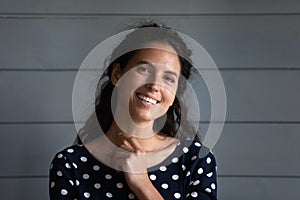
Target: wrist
[(141, 184), (147, 191)]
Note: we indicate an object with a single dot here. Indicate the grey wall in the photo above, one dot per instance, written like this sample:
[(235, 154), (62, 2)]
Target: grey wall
[(255, 44)]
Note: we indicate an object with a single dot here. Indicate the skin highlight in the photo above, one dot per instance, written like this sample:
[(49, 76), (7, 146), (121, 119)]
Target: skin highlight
[(163, 68)]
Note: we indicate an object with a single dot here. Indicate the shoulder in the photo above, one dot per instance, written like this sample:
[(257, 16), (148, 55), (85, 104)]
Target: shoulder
[(191, 147), (194, 153), (201, 171), (72, 154), (71, 150)]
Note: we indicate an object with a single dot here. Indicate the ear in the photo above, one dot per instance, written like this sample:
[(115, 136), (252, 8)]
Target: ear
[(115, 74)]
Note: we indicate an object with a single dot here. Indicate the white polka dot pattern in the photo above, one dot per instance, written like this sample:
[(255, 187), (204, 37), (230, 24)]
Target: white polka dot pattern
[(119, 185), (152, 177), (97, 185), (196, 182), (185, 149), (59, 173), (68, 166), (175, 177), (165, 186), (131, 196), (174, 160), (183, 167), (177, 195), (85, 176), (86, 195), (200, 170), (83, 159), (194, 194), (108, 176), (198, 173), (74, 165), (213, 186), (163, 168), (209, 174), (194, 158), (64, 192), (96, 168), (197, 144), (208, 190), (188, 173), (71, 182), (208, 160), (70, 150), (109, 195)]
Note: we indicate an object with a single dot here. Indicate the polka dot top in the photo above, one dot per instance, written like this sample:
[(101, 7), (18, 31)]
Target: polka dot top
[(76, 174)]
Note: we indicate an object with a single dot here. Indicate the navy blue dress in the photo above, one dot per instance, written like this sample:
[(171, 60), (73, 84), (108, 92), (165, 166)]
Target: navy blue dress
[(76, 174)]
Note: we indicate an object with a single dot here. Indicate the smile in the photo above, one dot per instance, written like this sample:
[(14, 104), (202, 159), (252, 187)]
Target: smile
[(147, 99)]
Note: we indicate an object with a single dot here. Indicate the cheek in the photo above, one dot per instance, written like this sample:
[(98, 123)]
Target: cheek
[(169, 96), (135, 78), (130, 82)]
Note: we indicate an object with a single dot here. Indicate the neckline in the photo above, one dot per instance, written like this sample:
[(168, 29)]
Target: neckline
[(165, 162)]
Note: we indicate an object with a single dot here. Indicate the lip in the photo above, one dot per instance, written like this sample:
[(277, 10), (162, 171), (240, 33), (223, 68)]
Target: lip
[(148, 96)]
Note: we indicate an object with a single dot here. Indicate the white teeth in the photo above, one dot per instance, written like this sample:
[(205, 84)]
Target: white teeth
[(153, 101)]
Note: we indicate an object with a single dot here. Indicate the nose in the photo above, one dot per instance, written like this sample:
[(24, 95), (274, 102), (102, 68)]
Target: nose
[(153, 87), (153, 82)]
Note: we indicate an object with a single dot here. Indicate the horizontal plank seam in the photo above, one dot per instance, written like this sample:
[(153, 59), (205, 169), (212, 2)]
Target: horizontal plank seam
[(27, 176), (219, 176), (259, 176), (201, 122), (97, 15), (220, 68)]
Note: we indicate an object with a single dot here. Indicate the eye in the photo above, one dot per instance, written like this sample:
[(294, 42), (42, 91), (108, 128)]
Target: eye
[(169, 79), (143, 69)]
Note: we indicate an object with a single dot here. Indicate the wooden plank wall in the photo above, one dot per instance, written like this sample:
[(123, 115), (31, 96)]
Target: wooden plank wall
[(256, 45)]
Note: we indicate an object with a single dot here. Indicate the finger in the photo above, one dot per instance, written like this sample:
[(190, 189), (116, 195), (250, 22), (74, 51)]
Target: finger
[(127, 148), (118, 159), (132, 141), (125, 145)]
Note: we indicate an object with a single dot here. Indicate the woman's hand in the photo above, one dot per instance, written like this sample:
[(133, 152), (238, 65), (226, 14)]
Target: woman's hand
[(133, 162)]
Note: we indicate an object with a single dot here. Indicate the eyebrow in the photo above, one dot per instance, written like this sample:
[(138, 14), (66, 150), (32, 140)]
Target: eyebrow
[(153, 66)]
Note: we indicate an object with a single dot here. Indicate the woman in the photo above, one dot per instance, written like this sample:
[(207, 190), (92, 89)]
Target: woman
[(142, 154)]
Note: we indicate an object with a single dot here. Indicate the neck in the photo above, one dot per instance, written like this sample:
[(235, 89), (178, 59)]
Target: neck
[(149, 143), (142, 132)]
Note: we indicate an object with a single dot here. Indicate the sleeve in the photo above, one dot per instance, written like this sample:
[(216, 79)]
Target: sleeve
[(61, 179), (203, 184)]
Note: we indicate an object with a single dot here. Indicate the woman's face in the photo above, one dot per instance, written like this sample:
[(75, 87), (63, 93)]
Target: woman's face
[(148, 83)]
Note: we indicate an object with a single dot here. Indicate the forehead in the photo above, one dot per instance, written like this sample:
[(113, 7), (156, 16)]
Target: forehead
[(158, 57)]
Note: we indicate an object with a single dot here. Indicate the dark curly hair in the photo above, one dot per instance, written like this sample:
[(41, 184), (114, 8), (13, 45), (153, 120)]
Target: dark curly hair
[(137, 39), (141, 36)]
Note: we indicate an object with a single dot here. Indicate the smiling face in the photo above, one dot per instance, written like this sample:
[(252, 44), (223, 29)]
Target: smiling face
[(148, 83)]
